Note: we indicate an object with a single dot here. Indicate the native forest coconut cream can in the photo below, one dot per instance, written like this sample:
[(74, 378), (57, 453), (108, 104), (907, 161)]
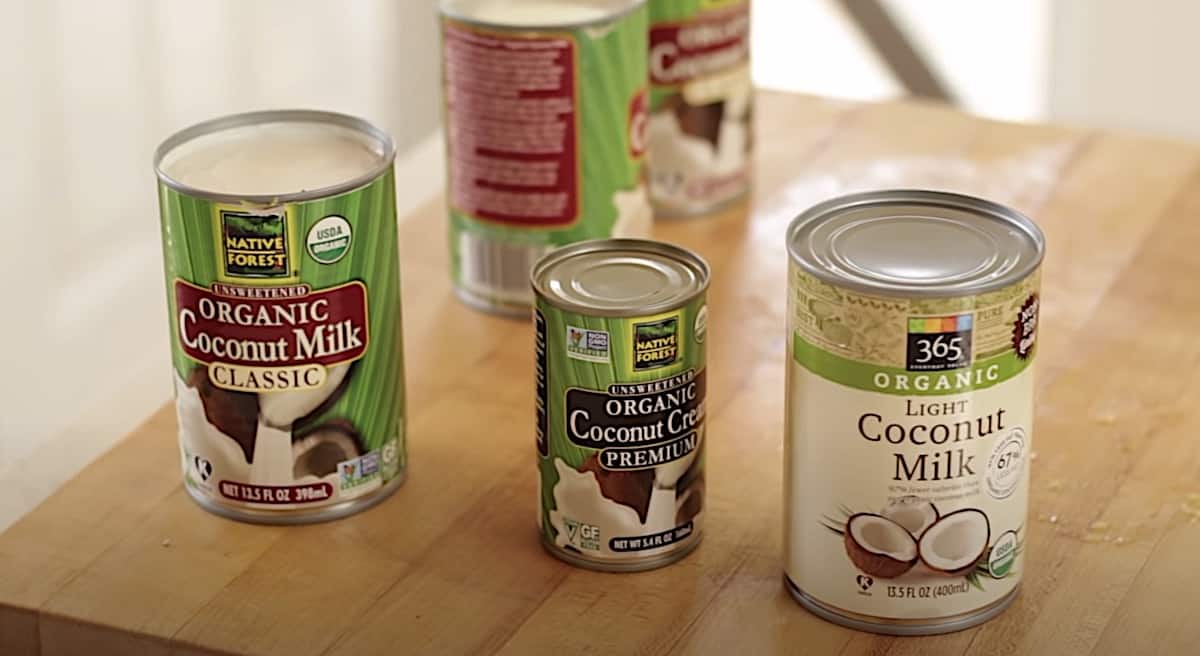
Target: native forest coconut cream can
[(911, 339), (546, 105), (700, 134), (283, 284), (621, 329)]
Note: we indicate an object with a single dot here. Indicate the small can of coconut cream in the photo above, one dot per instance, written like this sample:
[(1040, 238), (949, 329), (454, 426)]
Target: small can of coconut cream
[(546, 109), (912, 331), (700, 134), (620, 342), (283, 284)]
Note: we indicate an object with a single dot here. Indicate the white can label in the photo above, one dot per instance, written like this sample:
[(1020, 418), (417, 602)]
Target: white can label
[(910, 426)]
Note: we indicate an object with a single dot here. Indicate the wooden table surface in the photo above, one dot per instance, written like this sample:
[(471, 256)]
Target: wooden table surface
[(120, 561)]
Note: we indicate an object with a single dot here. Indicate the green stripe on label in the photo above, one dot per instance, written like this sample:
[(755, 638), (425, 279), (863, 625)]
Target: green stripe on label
[(892, 380)]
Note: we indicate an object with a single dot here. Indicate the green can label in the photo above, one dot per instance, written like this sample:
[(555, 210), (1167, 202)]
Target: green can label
[(700, 103), (621, 429), (286, 346), (545, 141)]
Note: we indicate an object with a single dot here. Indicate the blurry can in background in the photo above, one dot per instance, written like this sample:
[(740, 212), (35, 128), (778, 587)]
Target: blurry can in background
[(700, 102), (546, 112)]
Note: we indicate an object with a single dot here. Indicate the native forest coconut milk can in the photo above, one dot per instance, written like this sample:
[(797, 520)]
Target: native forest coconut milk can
[(912, 332), (283, 284), (621, 328), (546, 106)]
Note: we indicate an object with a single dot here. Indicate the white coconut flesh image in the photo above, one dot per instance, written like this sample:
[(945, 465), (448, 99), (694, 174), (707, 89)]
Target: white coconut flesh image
[(956, 542), (913, 513), (577, 497), (274, 461), (878, 546), (282, 409)]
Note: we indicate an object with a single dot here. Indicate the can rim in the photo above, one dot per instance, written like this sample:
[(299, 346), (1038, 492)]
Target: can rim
[(938, 199), (644, 246), (387, 154), (447, 11)]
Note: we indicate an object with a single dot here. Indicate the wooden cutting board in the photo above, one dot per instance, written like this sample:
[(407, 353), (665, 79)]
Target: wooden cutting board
[(120, 561)]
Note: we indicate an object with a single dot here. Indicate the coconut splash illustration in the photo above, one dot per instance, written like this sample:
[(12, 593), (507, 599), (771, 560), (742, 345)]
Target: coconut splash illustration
[(910, 532), (621, 503), (252, 437)]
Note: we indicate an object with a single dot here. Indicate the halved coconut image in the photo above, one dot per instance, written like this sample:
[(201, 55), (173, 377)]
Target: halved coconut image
[(282, 409), (879, 546), (319, 451), (913, 513), (956, 542)]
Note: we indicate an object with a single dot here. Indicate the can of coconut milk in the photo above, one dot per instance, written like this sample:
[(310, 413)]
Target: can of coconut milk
[(621, 379), (912, 333), (701, 97), (283, 284), (546, 109)]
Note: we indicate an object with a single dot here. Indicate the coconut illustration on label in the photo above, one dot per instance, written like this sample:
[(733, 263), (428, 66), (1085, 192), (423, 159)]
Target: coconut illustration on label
[(956, 543), (878, 546), (700, 128)]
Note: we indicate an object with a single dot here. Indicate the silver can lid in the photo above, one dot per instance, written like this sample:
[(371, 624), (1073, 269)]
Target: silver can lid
[(620, 277), (916, 244)]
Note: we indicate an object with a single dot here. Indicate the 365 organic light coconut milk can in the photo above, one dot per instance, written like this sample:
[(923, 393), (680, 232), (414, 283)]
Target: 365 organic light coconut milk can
[(700, 135), (912, 332), (621, 329), (546, 106), (280, 250)]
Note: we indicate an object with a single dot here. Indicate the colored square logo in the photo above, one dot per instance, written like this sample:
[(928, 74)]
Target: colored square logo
[(254, 245), (587, 345), (939, 343), (655, 344)]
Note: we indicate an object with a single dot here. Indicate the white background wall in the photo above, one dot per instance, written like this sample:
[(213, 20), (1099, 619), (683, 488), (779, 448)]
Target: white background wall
[(992, 53), (1127, 65)]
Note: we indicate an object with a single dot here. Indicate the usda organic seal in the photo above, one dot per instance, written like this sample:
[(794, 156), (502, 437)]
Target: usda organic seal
[(329, 239)]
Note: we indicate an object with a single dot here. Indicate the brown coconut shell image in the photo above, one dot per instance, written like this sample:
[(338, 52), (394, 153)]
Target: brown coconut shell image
[(629, 488), (693, 503), (233, 413), (319, 450), (689, 493), (879, 546), (701, 121)]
